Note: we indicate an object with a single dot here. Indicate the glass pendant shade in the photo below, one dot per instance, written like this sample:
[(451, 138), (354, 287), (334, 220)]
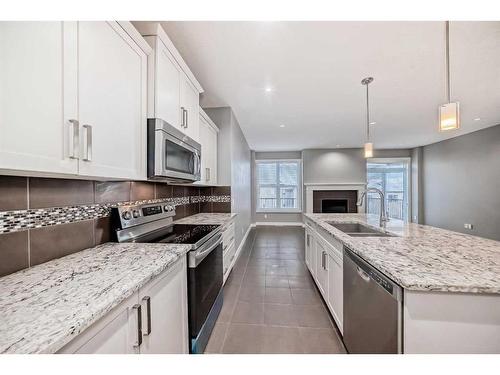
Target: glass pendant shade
[(449, 116), (368, 150)]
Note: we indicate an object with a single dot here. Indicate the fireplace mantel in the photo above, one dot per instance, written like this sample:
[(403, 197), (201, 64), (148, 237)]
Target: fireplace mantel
[(311, 187)]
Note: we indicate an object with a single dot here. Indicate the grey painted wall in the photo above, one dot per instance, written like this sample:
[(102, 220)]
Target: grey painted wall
[(417, 201), (234, 166), (346, 165), (461, 180), (279, 217)]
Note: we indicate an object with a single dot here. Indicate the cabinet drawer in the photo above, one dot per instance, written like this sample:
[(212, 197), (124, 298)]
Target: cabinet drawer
[(228, 236)]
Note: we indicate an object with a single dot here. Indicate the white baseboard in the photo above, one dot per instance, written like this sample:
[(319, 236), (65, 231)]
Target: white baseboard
[(279, 223)]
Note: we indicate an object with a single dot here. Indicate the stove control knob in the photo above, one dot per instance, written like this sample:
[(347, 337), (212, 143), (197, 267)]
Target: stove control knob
[(126, 215), (166, 208), (135, 214)]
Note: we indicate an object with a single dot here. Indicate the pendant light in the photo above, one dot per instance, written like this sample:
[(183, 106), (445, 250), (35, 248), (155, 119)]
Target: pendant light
[(368, 145), (449, 113)]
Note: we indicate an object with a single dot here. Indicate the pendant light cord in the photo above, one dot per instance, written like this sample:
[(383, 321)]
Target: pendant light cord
[(367, 115), (448, 89)]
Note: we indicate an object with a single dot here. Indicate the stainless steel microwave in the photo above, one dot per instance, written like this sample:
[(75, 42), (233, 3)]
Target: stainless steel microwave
[(172, 155)]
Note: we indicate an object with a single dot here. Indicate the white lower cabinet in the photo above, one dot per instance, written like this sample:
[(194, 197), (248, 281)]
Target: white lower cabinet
[(324, 258), (228, 248), (335, 297), (321, 268), (152, 320)]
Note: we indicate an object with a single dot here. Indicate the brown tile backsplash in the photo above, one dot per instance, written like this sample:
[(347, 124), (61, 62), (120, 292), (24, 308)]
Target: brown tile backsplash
[(142, 190), (163, 190), (13, 193), (59, 240), (52, 192), (102, 230), (179, 192), (112, 191), (27, 245), (13, 252)]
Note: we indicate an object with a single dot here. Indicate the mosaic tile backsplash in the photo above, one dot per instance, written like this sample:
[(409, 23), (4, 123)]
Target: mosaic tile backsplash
[(45, 218)]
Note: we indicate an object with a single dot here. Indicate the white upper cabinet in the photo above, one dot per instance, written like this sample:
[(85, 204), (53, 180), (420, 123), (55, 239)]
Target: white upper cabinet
[(112, 78), (174, 92), (73, 98), (35, 129), (164, 84), (208, 141)]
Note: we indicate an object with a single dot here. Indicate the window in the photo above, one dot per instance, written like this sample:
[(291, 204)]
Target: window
[(278, 185), (391, 176)]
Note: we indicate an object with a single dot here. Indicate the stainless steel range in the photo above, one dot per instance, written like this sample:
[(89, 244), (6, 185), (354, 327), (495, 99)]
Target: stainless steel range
[(153, 223)]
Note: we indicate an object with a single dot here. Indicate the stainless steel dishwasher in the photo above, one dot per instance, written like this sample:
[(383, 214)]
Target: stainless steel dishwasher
[(372, 308)]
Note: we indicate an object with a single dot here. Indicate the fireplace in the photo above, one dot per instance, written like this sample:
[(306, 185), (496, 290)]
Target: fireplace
[(335, 201), (334, 206)]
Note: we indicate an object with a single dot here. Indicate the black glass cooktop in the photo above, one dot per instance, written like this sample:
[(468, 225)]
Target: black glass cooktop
[(180, 233)]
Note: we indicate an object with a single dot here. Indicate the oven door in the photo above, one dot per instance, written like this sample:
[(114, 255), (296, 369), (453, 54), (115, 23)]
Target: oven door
[(175, 156), (205, 281)]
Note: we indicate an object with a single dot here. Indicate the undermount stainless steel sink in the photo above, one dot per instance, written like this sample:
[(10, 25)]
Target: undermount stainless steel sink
[(359, 230)]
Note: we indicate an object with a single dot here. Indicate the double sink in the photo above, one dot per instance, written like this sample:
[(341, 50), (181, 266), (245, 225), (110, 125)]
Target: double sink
[(359, 230)]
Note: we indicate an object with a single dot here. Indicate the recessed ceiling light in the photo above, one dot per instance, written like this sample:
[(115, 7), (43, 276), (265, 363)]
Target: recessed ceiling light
[(269, 89), (373, 122), (282, 126), (477, 119)]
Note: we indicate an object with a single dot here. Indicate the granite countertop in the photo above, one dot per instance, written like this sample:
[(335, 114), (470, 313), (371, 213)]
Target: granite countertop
[(44, 307), (421, 257), (206, 219)]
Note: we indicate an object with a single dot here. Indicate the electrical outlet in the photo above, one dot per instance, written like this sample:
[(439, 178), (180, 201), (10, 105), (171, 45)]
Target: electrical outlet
[(468, 226)]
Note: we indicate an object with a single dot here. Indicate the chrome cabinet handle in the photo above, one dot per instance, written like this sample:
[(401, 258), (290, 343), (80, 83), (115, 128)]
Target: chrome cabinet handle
[(308, 237), (183, 123), (138, 339), (207, 173), (147, 301), (325, 257), (187, 119), (73, 141), (87, 156)]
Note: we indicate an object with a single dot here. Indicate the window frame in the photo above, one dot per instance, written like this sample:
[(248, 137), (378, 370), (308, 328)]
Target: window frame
[(408, 176), (278, 186)]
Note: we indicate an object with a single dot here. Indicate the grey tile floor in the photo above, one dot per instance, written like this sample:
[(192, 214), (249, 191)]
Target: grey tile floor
[(271, 304)]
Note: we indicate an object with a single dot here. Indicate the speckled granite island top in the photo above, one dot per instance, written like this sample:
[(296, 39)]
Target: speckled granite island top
[(44, 307), (422, 257)]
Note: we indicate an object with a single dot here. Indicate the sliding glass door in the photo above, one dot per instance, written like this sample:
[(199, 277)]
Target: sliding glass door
[(392, 177)]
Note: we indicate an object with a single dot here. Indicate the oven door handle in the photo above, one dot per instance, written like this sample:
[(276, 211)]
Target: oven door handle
[(196, 257)]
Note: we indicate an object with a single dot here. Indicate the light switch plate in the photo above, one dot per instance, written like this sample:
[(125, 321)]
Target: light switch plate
[(468, 226)]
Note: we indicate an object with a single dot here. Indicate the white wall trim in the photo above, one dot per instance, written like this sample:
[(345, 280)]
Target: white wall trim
[(311, 187), (279, 223)]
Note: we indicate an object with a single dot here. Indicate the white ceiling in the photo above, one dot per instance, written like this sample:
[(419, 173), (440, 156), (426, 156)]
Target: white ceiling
[(315, 69)]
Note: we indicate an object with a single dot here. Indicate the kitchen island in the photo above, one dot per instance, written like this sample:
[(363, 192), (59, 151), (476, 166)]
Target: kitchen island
[(451, 281)]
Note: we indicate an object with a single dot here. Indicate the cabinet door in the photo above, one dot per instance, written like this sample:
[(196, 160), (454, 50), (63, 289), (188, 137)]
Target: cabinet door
[(208, 141), (37, 96), (322, 268), (164, 312), (308, 244), (167, 86), (116, 333), (112, 101), (190, 104), (335, 289)]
